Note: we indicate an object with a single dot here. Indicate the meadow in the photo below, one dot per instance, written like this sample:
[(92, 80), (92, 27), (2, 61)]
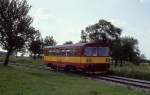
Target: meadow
[(27, 81)]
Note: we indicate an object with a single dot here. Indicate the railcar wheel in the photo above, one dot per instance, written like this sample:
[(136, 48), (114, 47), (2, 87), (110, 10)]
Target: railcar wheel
[(69, 69), (48, 65), (51, 66)]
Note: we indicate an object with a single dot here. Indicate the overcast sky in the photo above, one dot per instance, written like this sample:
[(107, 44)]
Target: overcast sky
[(64, 19)]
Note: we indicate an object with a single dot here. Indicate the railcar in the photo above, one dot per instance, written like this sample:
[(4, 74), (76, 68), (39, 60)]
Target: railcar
[(86, 57)]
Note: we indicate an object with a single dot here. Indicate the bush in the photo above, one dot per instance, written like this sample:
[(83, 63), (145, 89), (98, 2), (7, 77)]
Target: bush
[(141, 71)]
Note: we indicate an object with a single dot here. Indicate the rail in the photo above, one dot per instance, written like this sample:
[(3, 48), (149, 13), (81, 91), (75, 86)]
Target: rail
[(127, 81)]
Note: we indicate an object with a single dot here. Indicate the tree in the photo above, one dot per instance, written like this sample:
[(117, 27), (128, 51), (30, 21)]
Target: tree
[(101, 31), (68, 42), (49, 41), (83, 37), (130, 49), (36, 48), (36, 45), (116, 51), (125, 49), (15, 29)]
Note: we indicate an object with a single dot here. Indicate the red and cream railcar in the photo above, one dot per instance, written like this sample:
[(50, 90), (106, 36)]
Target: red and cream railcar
[(87, 57)]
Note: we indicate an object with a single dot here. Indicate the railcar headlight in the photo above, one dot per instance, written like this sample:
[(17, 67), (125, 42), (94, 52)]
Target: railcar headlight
[(107, 59)]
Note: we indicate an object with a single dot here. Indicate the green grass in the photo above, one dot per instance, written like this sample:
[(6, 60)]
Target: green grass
[(26, 81), (141, 71), (23, 60)]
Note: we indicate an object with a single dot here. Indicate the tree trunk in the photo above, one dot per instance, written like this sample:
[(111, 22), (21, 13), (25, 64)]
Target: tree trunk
[(116, 62), (7, 58), (121, 62), (16, 54), (34, 57)]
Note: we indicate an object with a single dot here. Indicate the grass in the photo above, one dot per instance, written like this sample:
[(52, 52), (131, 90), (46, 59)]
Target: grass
[(22, 60), (141, 71), (26, 81)]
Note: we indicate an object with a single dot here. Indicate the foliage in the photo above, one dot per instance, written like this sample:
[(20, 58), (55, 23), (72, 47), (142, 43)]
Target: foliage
[(83, 37), (116, 50), (49, 41), (103, 30), (68, 42), (36, 45), (130, 48), (125, 49), (15, 29)]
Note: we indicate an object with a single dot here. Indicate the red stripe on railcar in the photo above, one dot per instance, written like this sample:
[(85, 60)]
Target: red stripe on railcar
[(84, 66)]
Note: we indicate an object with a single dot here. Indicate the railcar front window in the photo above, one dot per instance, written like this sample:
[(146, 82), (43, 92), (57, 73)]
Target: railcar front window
[(91, 51), (103, 51)]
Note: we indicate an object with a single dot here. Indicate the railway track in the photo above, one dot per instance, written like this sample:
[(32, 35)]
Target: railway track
[(126, 81), (115, 79)]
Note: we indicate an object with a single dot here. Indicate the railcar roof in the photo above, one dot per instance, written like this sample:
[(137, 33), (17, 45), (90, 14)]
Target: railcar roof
[(71, 45), (68, 45)]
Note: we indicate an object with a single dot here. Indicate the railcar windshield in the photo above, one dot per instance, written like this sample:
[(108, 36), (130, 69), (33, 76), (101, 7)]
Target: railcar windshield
[(96, 51), (91, 51), (103, 51)]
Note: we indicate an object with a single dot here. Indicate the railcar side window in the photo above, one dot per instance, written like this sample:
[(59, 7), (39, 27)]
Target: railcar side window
[(91, 51), (103, 51), (72, 52), (49, 52), (68, 52), (52, 52), (62, 52)]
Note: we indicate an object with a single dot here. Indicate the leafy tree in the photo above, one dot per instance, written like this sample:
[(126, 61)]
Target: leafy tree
[(125, 49), (101, 31), (36, 48), (49, 41), (83, 37), (36, 45), (15, 29), (130, 49), (68, 42), (116, 51)]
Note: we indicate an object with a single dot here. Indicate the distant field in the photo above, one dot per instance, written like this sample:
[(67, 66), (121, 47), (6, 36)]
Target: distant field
[(25, 81)]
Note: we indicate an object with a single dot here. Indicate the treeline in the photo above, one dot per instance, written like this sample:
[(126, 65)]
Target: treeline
[(17, 34)]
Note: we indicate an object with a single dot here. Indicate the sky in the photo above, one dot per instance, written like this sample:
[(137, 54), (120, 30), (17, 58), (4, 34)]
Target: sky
[(64, 19)]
